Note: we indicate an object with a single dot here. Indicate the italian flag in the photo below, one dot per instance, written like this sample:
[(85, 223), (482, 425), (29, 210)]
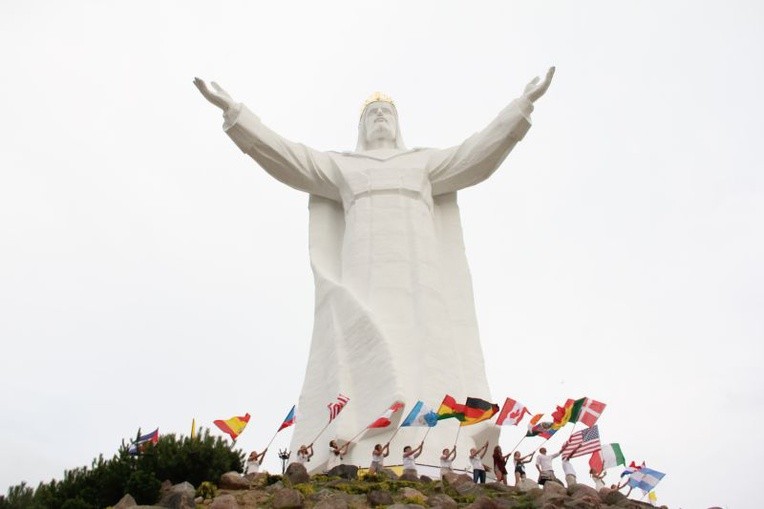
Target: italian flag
[(609, 456)]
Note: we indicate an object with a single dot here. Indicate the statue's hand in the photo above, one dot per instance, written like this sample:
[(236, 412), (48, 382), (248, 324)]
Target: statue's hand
[(536, 88), (215, 95)]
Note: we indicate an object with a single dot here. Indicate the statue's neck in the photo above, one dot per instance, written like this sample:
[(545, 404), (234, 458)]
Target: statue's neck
[(380, 144)]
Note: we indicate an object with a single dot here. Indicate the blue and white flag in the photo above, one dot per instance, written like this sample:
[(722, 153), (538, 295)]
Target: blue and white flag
[(420, 415), (645, 479)]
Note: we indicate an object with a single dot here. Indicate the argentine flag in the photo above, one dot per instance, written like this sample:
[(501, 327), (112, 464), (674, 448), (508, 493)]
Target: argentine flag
[(420, 415)]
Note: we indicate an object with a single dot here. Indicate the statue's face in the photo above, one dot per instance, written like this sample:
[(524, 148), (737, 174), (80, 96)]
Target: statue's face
[(379, 121)]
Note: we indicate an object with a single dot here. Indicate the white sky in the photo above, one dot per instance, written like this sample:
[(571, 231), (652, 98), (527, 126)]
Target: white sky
[(151, 273)]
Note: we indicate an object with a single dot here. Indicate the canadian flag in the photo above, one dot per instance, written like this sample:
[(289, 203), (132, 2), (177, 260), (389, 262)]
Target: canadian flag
[(511, 413), (383, 420)]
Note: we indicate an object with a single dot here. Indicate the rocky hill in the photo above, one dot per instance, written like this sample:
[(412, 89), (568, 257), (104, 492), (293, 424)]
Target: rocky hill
[(344, 490)]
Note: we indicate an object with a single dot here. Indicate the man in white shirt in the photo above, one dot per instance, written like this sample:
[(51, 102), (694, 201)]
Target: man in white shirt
[(570, 473), (544, 466)]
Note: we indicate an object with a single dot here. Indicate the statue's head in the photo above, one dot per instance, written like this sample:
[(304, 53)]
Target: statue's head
[(379, 121)]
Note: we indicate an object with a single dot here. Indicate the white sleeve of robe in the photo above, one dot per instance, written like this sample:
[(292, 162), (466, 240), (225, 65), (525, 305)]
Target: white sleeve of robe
[(294, 164), (481, 154)]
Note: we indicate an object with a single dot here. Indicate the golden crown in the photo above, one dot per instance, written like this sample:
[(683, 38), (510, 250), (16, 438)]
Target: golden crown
[(377, 97)]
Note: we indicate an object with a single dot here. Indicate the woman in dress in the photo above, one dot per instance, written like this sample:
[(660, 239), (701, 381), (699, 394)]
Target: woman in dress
[(254, 461), (597, 478), (336, 454), (500, 464), (304, 453)]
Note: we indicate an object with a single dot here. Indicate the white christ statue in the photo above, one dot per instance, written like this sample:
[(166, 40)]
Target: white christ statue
[(394, 312)]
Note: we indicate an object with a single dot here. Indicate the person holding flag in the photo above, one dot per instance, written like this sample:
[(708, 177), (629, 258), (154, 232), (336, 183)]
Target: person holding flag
[(545, 468), (378, 456), (476, 461), (304, 453), (520, 463), (409, 455), (446, 460), (254, 461), (335, 454), (500, 464), (598, 477)]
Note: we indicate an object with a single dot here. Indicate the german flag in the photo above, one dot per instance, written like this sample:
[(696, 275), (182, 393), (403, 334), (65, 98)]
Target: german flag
[(477, 410), (450, 408)]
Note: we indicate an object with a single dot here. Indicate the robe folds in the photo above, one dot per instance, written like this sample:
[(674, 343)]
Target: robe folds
[(394, 310)]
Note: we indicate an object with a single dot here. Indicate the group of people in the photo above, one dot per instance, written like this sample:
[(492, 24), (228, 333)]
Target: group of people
[(476, 455)]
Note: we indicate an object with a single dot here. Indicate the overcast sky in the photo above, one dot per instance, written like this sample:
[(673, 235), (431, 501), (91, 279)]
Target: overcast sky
[(151, 273)]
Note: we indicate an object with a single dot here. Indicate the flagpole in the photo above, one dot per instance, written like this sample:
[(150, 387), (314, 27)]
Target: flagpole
[(518, 445), (321, 432), (542, 444), (395, 433), (426, 433), (457, 434), (272, 439)]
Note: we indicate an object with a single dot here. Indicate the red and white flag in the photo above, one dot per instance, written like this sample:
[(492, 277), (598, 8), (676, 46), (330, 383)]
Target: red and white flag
[(582, 443), (383, 420), (336, 407), (591, 411), (511, 413)]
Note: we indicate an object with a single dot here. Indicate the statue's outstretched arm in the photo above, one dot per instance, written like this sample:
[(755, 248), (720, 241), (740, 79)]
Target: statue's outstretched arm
[(481, 154), (292, 163)]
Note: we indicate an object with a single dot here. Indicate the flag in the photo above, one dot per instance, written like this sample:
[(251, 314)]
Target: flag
[(652, 497), (288, 421), (633, 467), (582, 442), (233, 426), (542, 429), (142, 441), (609, 456), (591, 411), (383, 420), (477, 410), (645, 479), (450, 408), (567, 413), (420, 415), (336, 407), (193, 429), (511, 413)]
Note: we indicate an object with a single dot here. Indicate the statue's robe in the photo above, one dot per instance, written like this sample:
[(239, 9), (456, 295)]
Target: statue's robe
[(394, 310)]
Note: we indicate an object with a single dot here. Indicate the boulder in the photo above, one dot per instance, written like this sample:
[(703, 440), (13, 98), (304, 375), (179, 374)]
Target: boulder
[(388, 473), (409, 475), (404, 506), (483, 503), (224, 502), (500, 487), (378, 497), (441, 501), (412, 495), (297, 473), (332, 502), (287, 498), (344, 471), (258, 480), (582, 490), (613, 497), (179, 496), (553, 488), (125, 502), (233, 481), (425, 478), (526, 485)]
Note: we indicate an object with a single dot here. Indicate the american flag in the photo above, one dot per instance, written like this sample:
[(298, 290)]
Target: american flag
[(336, 407), (581, 443)]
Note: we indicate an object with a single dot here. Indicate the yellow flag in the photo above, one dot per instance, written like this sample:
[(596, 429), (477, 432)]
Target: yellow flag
[(652, 497), (193, 429)]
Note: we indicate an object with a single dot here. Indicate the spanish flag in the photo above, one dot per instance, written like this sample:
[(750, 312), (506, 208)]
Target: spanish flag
[(477, 410), (233, 426), (450, 408)]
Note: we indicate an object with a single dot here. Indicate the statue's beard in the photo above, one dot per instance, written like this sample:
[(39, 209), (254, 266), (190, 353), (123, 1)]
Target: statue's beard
[(381, 131)]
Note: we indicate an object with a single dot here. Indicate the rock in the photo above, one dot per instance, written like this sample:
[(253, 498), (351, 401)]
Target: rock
[(344, 471), (125, 502), (412, 495), (535, 493), (454, 478), (179, 496), (582, 490), (258, 480), (500, 487), (483, 503), (278, 485), (297, 473), (388, 473), (526, 485), (378, 497), (287, 498), (224, 502), (441, 501), (404, 506), (333, 502), (425, 478), (233, 481), (613, 497), (409, 475), (553, 488)]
